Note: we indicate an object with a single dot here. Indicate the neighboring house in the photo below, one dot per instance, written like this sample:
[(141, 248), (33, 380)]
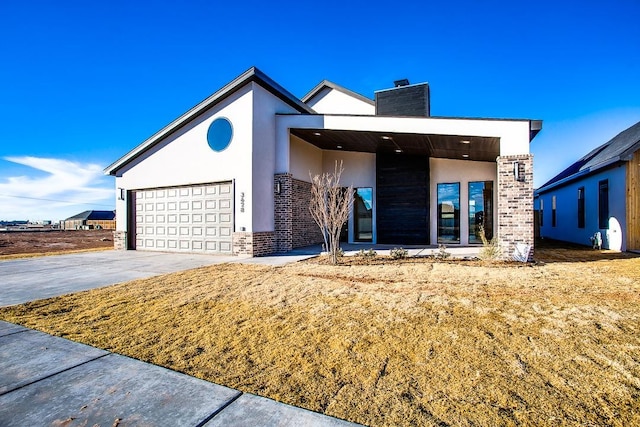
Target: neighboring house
[(598, 193), (232, 175), (91, 219)]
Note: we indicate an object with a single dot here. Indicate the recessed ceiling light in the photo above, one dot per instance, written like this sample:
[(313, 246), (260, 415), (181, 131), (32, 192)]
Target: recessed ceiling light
[(464, 141), (386, 137), (465, 155), (398, 150), (339, 146), (317, 133)]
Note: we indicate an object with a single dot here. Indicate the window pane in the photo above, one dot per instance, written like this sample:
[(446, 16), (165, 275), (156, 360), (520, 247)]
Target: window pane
[(449, 213), (480, 210), (363, 215), (603, 204), (581, 212)]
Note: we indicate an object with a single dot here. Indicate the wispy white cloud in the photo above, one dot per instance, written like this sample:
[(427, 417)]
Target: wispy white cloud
[(55, 189)]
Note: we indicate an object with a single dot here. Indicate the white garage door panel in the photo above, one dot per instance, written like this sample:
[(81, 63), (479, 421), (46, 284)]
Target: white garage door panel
[(197, 218)]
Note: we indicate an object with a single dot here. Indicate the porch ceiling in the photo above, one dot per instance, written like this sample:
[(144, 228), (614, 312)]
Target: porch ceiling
[(485, 149)]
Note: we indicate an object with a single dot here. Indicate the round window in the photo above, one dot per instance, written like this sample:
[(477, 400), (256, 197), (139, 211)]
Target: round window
[(219, 134)]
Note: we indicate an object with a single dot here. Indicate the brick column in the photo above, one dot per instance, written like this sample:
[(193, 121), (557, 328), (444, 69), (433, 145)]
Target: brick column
[(515, 203), (120, 240), (283, 211), (259, 243)]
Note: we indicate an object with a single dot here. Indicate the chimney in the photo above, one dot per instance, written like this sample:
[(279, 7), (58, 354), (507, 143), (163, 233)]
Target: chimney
[(403, 99)]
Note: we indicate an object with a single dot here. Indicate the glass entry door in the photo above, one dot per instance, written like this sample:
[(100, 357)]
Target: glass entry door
[(480, 210), (449, 213), (363, 215)]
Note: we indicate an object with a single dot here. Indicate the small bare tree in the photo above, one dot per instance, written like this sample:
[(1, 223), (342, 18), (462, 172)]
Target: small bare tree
[(330, 207)]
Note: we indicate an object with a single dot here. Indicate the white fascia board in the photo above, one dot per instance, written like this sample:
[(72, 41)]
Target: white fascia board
[(513, 134)]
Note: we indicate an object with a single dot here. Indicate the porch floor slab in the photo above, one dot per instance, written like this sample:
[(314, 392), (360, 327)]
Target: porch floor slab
[(351, 249)]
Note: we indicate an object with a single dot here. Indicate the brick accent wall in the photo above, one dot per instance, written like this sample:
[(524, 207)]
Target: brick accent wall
[(258, 243), (305, 231), (120, 240), (283, 212), (294, 225), (515, 204)]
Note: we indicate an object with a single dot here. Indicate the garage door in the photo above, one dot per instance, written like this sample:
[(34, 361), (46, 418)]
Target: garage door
[(197, 218)]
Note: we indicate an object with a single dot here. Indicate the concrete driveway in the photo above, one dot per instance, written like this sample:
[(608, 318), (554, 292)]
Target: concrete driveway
[(29, 279), (95, 387)]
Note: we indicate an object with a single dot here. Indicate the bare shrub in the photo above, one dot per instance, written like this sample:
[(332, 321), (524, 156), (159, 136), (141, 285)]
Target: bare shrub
[(330, 207), (442, 253), (369, 253), (398, 253), (491, 250)]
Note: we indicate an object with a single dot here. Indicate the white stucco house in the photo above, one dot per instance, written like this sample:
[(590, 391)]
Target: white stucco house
[(232, 174), (599, 193)]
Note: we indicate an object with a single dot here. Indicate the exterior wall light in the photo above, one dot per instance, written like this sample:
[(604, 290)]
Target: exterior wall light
[(277, 187), (518, 171), (121, 193)]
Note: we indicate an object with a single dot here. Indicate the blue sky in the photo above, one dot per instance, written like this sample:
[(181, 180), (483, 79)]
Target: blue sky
[(84, 82)]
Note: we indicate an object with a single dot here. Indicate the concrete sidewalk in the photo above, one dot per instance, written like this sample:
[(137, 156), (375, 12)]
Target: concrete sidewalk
[(46, 380)]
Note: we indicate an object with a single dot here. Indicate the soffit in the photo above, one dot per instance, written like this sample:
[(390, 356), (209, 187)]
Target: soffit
[(484, 149)]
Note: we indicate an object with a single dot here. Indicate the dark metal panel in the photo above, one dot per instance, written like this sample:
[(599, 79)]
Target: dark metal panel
[(402, 199)]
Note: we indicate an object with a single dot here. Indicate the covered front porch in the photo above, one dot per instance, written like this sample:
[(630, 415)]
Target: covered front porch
[(418, 181)]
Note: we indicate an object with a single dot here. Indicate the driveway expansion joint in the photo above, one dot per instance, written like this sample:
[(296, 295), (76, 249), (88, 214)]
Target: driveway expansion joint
[(39, 379), (220, 409)]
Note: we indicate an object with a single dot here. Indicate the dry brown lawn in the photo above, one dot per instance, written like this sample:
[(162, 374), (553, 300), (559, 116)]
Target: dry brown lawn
[(390, 343), (27, 244)]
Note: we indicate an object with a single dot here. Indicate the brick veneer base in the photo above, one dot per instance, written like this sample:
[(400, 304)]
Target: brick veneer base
[(515, 204), (259, 243), (120, 240)]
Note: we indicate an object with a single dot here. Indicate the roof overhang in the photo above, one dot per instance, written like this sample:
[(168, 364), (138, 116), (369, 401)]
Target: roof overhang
[(463, 147), (581, 174), (253, 74), (535, 126), (454, 138)]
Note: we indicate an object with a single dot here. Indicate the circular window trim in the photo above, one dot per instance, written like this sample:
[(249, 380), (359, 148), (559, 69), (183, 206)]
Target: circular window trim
[(220, 134)]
